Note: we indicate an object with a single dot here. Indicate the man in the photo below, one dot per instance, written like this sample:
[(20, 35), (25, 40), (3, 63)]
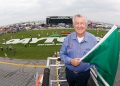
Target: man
[(74, 47)]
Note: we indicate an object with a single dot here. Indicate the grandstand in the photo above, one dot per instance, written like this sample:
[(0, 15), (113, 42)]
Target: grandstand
[(59, 21)]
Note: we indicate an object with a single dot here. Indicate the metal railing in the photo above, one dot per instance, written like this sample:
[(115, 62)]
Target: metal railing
[(52, 75), (56, 67)]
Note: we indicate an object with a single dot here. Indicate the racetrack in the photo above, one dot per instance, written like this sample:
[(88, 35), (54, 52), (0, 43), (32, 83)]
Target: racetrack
[(12, 75)]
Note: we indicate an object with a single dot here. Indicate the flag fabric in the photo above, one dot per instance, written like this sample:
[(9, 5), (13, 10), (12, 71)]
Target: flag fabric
[(105, 55)]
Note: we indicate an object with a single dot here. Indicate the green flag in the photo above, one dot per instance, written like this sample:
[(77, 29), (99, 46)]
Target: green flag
[(105, 55)]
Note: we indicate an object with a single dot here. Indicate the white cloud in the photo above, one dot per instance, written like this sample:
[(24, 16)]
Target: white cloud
[(13, 11)]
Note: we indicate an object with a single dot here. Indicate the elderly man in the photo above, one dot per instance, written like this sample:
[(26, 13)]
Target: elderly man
[(74, 47)]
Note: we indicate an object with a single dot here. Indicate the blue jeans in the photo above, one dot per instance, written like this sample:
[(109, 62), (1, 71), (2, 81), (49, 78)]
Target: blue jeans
[(77, 78)]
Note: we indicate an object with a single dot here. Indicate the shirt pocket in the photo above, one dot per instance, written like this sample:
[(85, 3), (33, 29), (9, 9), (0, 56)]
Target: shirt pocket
[(85, 51), (70, 52)]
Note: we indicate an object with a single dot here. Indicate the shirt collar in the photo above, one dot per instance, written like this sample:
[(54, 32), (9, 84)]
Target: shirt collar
[(74, 36)]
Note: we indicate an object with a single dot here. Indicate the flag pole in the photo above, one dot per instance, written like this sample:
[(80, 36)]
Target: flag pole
[(105, 83), (97, 74)]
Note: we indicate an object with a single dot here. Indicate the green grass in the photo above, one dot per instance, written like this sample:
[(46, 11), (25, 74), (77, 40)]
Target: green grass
[(33, 51)]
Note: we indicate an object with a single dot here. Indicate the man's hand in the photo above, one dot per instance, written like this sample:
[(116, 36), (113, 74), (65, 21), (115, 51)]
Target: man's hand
[(75, 61)]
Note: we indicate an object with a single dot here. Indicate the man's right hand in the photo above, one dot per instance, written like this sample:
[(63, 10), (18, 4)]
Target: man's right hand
[(75, 61)]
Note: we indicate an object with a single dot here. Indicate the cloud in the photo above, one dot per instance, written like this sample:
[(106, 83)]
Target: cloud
[(13, 11)]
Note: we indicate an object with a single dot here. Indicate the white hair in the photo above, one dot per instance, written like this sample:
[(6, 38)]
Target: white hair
[(78, 15)]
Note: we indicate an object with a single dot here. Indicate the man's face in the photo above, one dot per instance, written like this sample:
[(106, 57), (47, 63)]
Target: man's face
[(80, 25)]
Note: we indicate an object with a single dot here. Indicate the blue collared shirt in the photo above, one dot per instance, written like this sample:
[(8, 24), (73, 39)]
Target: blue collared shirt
[(71, 48)]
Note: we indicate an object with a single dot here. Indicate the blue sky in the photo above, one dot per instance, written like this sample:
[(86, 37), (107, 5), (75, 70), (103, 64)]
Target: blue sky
[(15, 11)]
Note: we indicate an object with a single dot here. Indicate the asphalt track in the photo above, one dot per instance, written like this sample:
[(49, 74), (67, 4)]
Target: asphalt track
[(20, 72)]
